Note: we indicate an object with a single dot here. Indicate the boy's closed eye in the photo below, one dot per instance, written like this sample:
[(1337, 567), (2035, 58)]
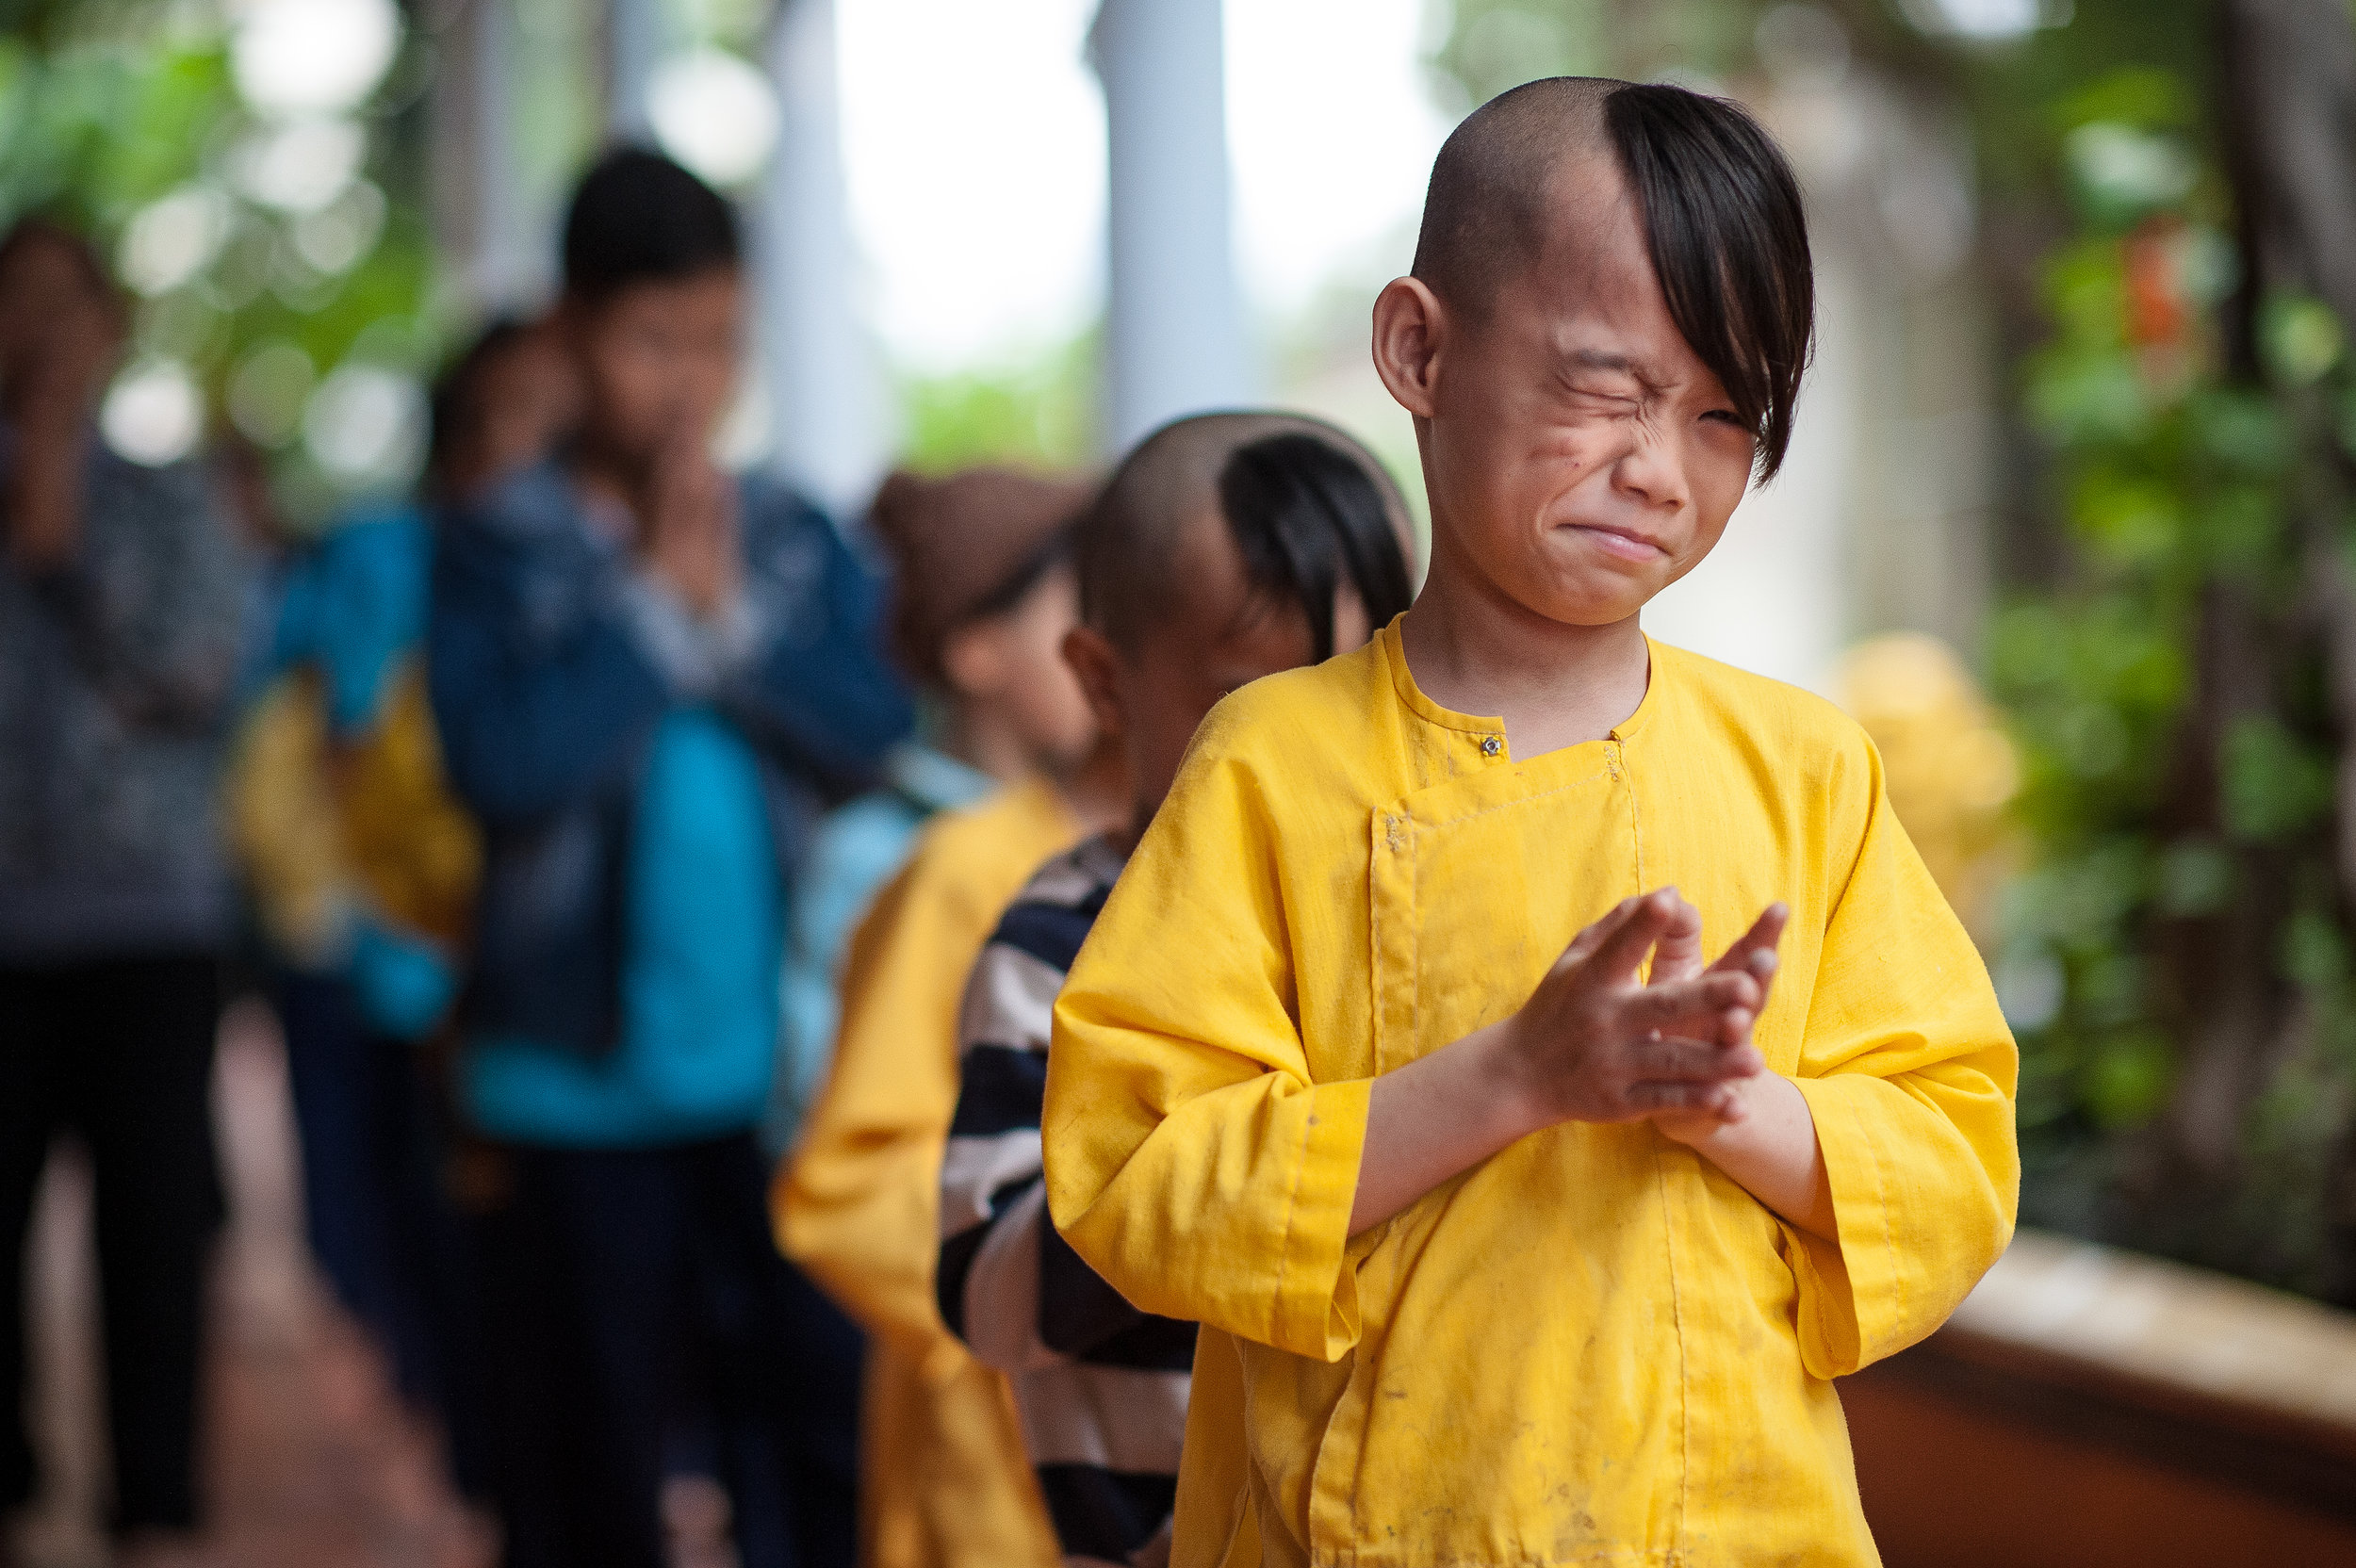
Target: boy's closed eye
[(1614, 403)]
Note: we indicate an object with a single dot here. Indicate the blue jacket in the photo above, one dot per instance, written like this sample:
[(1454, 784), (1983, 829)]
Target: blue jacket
[(553, 662), (353, 606)]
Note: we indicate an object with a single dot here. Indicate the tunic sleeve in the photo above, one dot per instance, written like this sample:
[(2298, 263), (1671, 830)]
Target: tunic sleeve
[(1190, 1159), (1910, 1073), (857, 1205)]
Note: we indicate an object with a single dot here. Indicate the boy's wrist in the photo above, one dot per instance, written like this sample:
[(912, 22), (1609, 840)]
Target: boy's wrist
[(1517, 1099), (1695, 1130), (1705, 1130)]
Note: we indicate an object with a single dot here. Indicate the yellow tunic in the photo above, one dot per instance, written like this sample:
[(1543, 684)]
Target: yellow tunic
[(1594, 1347), (946, 1484)]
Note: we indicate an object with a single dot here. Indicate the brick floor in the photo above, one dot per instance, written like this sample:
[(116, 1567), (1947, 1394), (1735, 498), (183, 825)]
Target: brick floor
[(311, 1462)]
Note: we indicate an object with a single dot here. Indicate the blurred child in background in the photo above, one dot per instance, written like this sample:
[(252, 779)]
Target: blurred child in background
[(982, 596), (122, 605), (362, 868), (647, 676), (987, 594), (1226, 547)]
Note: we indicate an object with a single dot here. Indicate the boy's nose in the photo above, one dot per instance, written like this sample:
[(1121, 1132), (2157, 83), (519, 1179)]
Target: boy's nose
[(1650, 471)]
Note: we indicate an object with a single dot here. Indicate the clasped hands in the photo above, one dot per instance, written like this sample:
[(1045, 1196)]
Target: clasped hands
[(689, 536), (1602, 1040)]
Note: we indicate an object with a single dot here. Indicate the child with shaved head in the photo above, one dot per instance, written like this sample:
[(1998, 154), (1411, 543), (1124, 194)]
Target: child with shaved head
[(1226, 547), (1519, 1233)]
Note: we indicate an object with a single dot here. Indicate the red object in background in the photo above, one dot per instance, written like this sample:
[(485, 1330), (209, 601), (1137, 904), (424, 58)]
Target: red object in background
[(2158, 314)]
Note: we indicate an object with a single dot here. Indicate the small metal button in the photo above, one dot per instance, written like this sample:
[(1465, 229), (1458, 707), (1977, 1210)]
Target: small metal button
[(1490, 746)]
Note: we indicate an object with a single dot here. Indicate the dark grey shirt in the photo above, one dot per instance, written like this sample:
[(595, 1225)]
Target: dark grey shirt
[(117, 674)]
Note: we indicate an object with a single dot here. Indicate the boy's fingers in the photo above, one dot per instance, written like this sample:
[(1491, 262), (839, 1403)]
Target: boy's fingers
[(1761, 969), (1679, 953), (1603, 925), (1659, 1096), (1620, 950), (1703, 997), (1753, 954), (1765, 932), (1678, 1059)]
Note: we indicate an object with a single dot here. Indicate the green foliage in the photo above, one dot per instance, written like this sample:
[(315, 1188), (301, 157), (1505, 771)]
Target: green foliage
[(92, 131), (2274, 785), (2182, 766), (107, 108), (1039, 413)]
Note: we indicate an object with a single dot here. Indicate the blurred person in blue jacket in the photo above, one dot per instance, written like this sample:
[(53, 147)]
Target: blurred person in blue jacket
[(362, 871), (648, 678), (122, 605), (983, 594)]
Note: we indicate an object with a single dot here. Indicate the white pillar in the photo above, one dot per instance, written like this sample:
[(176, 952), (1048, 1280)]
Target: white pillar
[(636, 37), (500, 258), (1175, 335), (829, 409), (510, 266)]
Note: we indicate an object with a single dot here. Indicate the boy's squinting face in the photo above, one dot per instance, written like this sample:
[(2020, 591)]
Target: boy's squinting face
[(1581, 458), (658, 360)]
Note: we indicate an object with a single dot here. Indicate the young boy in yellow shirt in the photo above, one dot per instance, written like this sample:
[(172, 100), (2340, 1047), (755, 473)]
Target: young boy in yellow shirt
[(1517, 1234)]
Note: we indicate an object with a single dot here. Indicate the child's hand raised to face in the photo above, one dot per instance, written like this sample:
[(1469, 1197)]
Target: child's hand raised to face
[(1594, 1043), (690, 536)]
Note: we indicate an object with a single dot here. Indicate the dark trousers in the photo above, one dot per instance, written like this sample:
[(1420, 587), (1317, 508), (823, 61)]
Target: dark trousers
[(120, 1052), (628, 1292), (380, 1220)]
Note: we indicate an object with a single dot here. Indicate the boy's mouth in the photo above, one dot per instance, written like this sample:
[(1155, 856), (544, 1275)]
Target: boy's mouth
[(1627, 543)]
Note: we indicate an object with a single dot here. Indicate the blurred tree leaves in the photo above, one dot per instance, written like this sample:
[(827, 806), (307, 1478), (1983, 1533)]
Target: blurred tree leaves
[(1038, 412), (110, 106), (2196, 1111)]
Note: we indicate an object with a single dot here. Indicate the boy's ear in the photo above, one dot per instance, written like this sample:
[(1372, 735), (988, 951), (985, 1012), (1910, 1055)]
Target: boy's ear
[(1409, 326), (1097, 666)]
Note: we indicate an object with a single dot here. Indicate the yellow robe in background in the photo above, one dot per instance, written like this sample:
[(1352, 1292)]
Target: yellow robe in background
[(322, 830), (1594, 1347), (944, 1481)]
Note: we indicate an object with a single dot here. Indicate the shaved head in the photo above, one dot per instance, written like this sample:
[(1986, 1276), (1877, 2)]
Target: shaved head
[(1179, 481), (1486, 214), (1720, 210)]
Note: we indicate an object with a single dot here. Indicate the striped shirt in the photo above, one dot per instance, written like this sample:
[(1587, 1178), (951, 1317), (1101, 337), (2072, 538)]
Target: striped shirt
[(1100, 1386)]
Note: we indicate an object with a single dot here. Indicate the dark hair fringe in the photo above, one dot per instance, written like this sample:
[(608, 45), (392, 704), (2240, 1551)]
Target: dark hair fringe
[(637, 217), (1027, 574), (1728, 238), (1306, 516)]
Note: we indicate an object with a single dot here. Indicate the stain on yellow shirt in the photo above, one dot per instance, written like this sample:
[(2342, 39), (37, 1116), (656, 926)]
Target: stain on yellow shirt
[(1594, 1347), (944, 1482)]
